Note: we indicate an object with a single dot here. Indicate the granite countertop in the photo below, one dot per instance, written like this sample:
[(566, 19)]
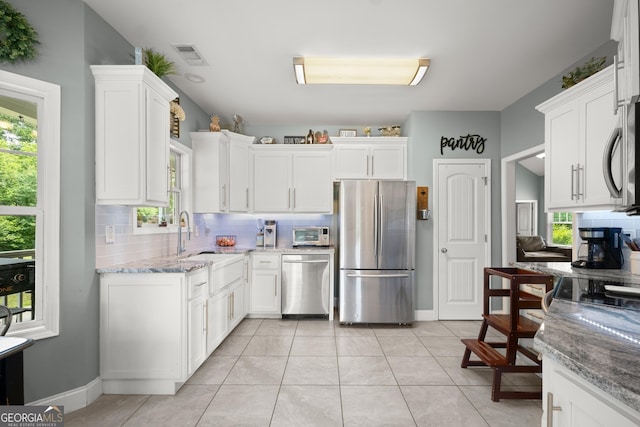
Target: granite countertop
[(182, 264), (561, 269), (599, 343)]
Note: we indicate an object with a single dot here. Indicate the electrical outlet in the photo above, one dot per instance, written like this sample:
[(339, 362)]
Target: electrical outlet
[(110, 234), (196, 231)]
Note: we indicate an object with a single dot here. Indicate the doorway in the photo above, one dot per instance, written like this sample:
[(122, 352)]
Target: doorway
[(461, 236), (508, 201)]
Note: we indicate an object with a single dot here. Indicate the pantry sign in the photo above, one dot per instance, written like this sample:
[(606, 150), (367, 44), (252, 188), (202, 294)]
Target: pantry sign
[(468, 142)]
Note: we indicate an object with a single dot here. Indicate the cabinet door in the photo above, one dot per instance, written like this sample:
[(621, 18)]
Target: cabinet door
[(209, 171), (578, 403), (238, 177), (196, 333), (120, 131), (352, 162), (236, 303), (312, 184), (271, 182), (562, 149), (598, 121), (265, 292), (388, 162), (217, 320), (157, 152)]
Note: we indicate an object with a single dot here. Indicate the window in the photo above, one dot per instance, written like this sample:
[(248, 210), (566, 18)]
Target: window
[(155, 220), (30, 204), (562, 228)]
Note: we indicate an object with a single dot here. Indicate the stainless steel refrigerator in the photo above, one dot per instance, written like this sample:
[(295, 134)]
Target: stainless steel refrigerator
[(376, 221)]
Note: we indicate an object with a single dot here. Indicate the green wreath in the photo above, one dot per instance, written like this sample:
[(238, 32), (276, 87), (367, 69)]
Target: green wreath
[(17, 36)]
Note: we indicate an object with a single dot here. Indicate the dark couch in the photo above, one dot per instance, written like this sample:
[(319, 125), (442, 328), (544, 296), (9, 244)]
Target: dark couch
[(535, 249)]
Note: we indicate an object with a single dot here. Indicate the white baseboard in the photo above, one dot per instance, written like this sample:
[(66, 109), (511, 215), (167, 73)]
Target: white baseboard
[(425, 315), (75, 399)]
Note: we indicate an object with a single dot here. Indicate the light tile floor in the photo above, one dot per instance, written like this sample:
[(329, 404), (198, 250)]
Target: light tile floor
[(319, 373)]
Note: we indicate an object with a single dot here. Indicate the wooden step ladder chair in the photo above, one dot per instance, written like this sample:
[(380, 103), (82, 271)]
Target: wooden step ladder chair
[(513, 325)]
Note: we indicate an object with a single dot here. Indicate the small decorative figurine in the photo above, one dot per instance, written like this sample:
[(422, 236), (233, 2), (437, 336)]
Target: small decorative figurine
[(309, 137), (214, 126), (237, 123), (366, 131)]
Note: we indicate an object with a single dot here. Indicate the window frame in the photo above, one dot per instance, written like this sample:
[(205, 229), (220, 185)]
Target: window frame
[(550, 224), (46, 321), (185, 180)]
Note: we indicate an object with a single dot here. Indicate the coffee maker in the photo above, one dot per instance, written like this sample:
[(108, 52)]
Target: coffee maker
[(602, 248), (270, 233)]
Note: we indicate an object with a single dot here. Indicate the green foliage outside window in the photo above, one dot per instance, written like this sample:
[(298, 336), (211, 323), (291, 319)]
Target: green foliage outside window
[(562, 228), (18, 181)]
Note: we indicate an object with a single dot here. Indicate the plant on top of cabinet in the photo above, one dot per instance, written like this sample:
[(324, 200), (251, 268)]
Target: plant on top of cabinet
[(580, 73), (158, 63)]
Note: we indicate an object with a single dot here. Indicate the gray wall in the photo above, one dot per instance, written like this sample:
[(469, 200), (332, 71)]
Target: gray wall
[(426, 129)]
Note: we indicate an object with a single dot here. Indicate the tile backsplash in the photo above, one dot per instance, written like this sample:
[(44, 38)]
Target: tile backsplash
[(205, 227)]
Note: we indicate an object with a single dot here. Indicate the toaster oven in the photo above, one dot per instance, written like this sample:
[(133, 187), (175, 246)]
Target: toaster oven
[(310, 236)]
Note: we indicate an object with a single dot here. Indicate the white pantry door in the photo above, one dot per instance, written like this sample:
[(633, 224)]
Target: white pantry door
[(526, 218), (462, 243)]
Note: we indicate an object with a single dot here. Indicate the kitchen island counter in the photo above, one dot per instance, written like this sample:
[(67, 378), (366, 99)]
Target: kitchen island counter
[(598, 343), (561, 269)]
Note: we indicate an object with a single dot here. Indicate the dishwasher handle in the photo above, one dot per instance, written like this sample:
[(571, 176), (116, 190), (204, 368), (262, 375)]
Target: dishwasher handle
[(309, 261)]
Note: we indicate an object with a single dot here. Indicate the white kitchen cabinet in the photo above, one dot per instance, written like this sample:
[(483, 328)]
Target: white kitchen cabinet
[(237, 308), (292, 179), (570, 401), (197, 318), (239, 171), (151, 330), (132, 135), (221, 171), (370, 157), (624, 30), (578, 125), (264, 288), (217, 319)]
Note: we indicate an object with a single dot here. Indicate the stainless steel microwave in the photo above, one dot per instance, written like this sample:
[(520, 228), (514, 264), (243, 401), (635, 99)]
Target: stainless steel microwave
[(310, 236)]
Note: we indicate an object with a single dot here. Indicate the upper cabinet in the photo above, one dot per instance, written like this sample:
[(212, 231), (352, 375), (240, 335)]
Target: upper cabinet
[(132, 136), (624, 29), (292, 179), (370, 157), (579, 125), (221, 171)]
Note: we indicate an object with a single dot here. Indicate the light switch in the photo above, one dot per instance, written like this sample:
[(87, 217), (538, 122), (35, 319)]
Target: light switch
[(110, 234)]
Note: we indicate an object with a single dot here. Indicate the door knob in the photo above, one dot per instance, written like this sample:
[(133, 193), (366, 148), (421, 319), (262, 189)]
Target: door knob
[(443, 250)]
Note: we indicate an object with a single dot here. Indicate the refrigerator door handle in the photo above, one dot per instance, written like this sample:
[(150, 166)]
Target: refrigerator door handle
[(384, 276), (375, 226), (381, 204)]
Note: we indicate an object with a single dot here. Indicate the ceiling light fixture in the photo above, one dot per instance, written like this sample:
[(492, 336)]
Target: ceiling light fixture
[(368, 71)]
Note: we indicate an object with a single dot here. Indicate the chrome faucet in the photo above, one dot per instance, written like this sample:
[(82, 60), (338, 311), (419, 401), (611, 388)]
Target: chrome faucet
[(182, 248)]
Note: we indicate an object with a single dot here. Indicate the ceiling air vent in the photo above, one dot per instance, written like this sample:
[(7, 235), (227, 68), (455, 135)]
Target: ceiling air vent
[(190, 54)]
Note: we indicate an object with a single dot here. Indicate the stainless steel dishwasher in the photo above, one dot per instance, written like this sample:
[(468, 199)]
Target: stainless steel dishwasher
[(305, 284)]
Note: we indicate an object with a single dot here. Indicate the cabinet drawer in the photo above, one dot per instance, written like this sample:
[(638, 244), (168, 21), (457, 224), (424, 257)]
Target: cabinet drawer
[(270, 261), (223, 276), (196, 282)]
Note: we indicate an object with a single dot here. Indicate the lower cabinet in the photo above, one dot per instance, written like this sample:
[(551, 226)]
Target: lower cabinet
[(217, 319), (156, 329), (264, 299), (151, 330), (569, 400)]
